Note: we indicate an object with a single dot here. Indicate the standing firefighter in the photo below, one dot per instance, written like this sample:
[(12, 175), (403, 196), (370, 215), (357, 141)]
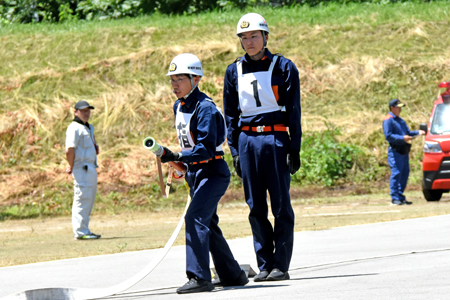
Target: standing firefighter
[(399, 136), (262, 110), (201, 132), (81, 154)]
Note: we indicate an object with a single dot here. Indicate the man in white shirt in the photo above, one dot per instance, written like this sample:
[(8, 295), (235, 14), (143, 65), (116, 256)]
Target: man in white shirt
[(81, 153)]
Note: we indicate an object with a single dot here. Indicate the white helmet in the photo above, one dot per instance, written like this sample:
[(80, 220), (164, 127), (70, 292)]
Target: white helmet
[(251, 22), (185, 63)]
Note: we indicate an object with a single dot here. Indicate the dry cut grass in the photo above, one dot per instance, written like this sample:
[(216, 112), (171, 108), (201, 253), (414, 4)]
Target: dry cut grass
[(349, 69)]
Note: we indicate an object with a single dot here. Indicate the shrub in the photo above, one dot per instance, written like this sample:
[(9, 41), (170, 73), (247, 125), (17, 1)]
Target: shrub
[(324, 159), (108, 9), (28, 11)]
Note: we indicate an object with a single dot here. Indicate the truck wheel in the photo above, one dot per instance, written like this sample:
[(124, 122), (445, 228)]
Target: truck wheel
[(431, 195)]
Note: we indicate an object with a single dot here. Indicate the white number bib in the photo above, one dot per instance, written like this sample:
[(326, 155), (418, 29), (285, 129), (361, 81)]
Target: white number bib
[(183, 124), (255, 91)]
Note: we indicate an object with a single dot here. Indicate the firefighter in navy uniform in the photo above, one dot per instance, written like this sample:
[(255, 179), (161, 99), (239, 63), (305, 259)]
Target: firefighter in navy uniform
[(201, 132), (262, 110), (399, 136)]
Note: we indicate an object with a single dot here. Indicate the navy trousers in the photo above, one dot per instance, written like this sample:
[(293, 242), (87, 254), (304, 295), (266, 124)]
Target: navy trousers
[(208, 183), (264, 168), (399, 165)]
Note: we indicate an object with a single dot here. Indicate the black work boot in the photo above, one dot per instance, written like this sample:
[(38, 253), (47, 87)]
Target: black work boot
[(276, 275), (240, 281), (262, 276), (195, 285)]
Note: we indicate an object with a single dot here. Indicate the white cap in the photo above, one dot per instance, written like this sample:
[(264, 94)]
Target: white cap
[(251, 22), (185, 63)]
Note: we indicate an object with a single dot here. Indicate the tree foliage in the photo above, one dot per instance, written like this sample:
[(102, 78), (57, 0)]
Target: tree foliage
[(27, 11)]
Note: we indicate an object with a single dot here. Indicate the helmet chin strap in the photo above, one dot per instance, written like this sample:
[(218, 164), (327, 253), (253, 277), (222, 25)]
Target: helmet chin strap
[(193, 87), (263, 48)]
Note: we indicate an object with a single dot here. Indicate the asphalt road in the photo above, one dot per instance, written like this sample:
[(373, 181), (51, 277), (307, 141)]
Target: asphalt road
[(407, 259)]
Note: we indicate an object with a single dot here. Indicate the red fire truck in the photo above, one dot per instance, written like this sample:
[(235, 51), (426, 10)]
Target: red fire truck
[(436, 149)]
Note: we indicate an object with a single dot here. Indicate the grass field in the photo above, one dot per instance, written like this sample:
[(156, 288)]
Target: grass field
[(352, 59)]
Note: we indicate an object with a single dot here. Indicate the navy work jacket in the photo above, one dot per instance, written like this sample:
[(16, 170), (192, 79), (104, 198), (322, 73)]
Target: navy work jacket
[(206, 125), (395, 129), (285, 79)]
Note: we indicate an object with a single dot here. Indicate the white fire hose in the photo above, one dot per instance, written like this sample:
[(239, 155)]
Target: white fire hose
[(87, 293)]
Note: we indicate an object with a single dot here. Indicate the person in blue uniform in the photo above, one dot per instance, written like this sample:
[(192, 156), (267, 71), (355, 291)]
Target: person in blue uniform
[(399, 137), (262, 109), (201, 132)]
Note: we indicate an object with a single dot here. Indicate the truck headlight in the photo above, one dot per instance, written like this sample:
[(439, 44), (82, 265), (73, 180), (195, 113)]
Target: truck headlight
[(432, 147)]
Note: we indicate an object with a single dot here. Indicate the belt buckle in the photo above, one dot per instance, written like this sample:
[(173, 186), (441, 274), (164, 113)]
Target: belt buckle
[(260, 128)]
